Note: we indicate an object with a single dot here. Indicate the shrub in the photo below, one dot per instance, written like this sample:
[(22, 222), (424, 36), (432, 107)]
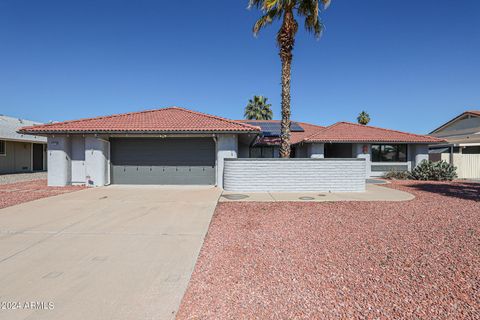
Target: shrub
[(398, 175), (438, 171)]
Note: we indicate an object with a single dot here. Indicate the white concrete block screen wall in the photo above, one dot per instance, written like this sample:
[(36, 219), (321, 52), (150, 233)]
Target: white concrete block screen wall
[(307, 175)]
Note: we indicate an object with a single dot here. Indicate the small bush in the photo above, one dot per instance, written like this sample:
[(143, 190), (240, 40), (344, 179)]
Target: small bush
[(437, 171), (397, 175)]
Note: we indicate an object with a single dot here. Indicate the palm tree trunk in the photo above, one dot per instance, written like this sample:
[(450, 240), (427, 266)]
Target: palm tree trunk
[(286, 41), (285, 125)]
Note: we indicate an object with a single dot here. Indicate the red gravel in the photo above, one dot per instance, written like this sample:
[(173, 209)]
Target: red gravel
[(343, 260), (15, 193)]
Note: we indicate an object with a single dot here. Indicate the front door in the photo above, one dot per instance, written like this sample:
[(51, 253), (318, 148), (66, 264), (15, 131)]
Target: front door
[(37, 157)]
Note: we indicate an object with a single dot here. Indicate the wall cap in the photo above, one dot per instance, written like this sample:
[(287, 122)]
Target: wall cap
[(294, 159)]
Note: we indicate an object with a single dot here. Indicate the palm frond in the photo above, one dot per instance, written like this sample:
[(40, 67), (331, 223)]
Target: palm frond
[(264, 5), (326, 3), (310, 9), (270, 4), (266, 19), (255, 4), (274, 9), (314, 25), (258, 109)]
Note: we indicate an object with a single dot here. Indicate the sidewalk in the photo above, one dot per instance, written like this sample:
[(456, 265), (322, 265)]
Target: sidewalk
[(373, 193)]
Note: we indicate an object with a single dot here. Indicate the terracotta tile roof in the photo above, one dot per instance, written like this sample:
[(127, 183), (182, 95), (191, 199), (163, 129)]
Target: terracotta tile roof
[(352, 132), (348, 132), (172, 119), (309, 128)]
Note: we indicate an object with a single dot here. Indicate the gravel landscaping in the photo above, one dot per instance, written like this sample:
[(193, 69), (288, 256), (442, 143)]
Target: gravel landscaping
[(15, 193), (418, 259), (18, 177)]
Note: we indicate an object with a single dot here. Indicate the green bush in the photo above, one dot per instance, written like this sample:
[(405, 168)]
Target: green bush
[(397, 175), (437, 171)]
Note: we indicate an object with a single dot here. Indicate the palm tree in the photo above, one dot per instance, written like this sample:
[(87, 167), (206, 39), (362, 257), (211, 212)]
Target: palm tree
[(258, 109), (363, 118), (286, 9)]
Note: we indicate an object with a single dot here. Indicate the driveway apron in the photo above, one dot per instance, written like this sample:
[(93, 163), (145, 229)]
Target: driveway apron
[(105, 253)]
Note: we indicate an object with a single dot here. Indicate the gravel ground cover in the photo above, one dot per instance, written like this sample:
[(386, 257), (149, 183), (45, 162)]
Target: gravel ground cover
[(18, 177), (343, 260), (15, 193)]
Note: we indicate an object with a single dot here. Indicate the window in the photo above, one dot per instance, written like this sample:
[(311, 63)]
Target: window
[(3, 146), (261, 152), (389, 153)]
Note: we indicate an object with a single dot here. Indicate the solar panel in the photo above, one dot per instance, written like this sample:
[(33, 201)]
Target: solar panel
[(273, 129)]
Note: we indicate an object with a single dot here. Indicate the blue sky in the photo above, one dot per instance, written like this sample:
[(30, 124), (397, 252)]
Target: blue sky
[(411, 65)]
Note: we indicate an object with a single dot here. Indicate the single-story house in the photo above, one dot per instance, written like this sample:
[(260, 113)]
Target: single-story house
[(462, 145), (20, 152), (383, 149), (179, 146)]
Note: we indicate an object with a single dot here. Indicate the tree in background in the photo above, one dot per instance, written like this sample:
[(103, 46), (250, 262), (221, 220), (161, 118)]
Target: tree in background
[(363, 118), (258, 109), (288, 11)]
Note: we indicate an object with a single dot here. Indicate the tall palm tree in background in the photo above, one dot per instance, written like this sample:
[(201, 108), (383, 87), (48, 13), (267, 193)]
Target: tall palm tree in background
[(258, 109), (363, 118), (287, 10)]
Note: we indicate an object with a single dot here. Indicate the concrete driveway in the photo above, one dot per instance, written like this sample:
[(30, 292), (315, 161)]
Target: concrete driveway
[(105, 253)]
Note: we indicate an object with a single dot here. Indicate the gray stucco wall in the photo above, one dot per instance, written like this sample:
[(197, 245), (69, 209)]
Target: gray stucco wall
[(316, 175), (78, 160), (59, 161), (316, 150), (226, 147), (301, 151), (243, 150), (97, 156), (18, 157), (421, 154), (363, 151)]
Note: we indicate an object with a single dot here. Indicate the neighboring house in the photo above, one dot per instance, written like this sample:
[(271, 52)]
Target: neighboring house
[(178, 146), (462, 146), (20, 152)]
